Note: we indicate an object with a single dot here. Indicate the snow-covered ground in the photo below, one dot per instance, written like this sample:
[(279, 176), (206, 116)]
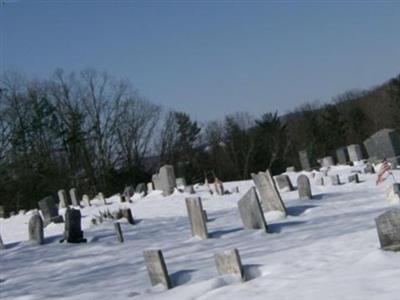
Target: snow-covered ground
[(326, 248)]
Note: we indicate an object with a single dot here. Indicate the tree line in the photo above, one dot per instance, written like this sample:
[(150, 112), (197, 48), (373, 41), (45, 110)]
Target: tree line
[(92, 131)]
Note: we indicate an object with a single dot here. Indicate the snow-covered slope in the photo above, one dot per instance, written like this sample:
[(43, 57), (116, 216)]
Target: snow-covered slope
[(327, 248)]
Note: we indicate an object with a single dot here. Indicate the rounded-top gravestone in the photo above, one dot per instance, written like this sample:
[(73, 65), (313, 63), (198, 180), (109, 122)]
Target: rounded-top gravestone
[(36, 229), (304, 187)]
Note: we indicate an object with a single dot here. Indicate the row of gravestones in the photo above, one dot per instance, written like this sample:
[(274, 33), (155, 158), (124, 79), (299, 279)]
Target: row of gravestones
[(75, 200)]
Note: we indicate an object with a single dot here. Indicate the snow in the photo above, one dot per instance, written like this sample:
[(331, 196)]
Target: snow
[(326, 248)]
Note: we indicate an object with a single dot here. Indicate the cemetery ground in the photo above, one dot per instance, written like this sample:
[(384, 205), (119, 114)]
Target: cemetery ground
[(326, 248)]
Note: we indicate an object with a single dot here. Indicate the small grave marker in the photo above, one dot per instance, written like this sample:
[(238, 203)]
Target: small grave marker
[(157, 268)]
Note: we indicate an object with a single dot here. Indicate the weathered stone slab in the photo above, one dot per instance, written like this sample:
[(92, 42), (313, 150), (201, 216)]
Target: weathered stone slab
[(269, 195), (335, 179), (251, 212), (86, 200), (384, 144), (101, 197), (342, 156), (49, 211), (127, 214), (393, 194), (328, 161), (290, 169), (189, 189), (355, 153), (284, 182), (157, 268), (35, 227), (369, 169), (141, 188), (304, 187), (195, 213), (150, 187), (118, 231), (354, 178), (156, 182), (388, 227), (166, 178), (305, 160), (219, 187), (73, 194), (63, 199), (229, 262), (72, 231)]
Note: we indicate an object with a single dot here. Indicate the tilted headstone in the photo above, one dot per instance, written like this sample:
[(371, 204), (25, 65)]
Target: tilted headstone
[(118, 231), (189, 189), (354, 178), (335, 179), (304, 187), (167, 179), (355, 153), (384, 144), (2, 245), (393, 194), (180, 182), (196, 218), (73, 194), (328, 161), (305, 160), (284, 182), (86, 200), (150, 187), (141, 188), (129, 191), (36, 234), (72, 231), (49, 211), (342, 156), (228, 262), (127, 214), (251, 212), (157, 268), (269, 195), (388, 227), (290, 169), (62, 198)]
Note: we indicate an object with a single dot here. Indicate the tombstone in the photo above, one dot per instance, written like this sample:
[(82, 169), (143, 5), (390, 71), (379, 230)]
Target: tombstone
[(342, 156), (195, 212), (63, 199), (219, 187), (354, 178), (86, 200), (269, 195), (393, 193), (304, 187), (73, 194), (2, 245), (328, 161), (118, 231), (101, 197), (156, 182), (384, 144), (369, 169), (157, 268), (49, 211), (319, 180), (284, 182), (127, 214), (388, 227), (251, 212), (2, 212), (228, 262), (355, 153), (305, 160), (141, 188), (290, 169), (335, 179), (180, 182), (205, 217), (189, 189), (36, 229), (150, 187), (166, 176), (129, 191), (73, 232)]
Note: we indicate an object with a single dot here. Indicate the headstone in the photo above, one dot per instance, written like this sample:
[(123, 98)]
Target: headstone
[(354, 178), (328, 161), (393, 194), (342, 156), (49, 211), (150, 187), (369, 169), (118, 231), (86, 200), (141, 188), (195, 213), (384, 144), (305, 160), (73, 194), (2, 212), (157, 268), (335, 179), (304, 187), (284, 182), (63, 199), (251, 212), (219, 187), (2, 246), (205, 217), (127, 214), (166, 176), (129, 191), (36, 229), (189, 189), (73, 232), (156, 182), (228, 263), (388, 227), (269, 195), (319, 180), (180, 182), (290, 169), (101, 197), (355, 153)]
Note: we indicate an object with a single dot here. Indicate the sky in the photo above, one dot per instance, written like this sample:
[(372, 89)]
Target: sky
[(210, 58)]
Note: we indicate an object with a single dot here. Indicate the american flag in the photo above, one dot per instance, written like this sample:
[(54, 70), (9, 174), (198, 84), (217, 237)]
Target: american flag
[(385, 167)]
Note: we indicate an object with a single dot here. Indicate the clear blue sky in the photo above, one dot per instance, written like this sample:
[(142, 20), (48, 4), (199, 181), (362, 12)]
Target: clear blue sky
[(210, 58)]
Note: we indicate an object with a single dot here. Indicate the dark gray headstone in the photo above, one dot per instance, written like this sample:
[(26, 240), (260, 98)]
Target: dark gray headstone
[(354, 178), (62, 198), (118, 231), (269, 195), (73, 232), (388, 227), (228, 262), (2, 212), (342, 156), (141, 188), (305, 160), (36, 234), (251, 212), (49, 211), (196, 218), (127, 214), (129, 191), (157, 268), (284, 182), (384, 144), (355, 153), (73, 194), (304, 187)]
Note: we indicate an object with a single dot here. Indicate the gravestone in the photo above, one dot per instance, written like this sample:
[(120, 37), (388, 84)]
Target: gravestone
[(205, 216), (180, 182), (393, 193), (328, 161), (229, 262), (2, 245), (219, 187), (73, 194), (354, 178), (157, 268), (150, 187), (86, 200), (290, 169), (195, 213), (156, 182), (355, 153), (141, 188), (269, 195), (305, 160), (72, 231), (127, 214), (342, 156), (388, 227), (384, 144), (2, 212), (63, 199), (129, 191), (166, 178), (101, 197), (335, 179), (118, 231), (319, 180), (251, 212), (369, 169), (284, 182), (189, 189), (49, 211), (36, 229), (304, 187)]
